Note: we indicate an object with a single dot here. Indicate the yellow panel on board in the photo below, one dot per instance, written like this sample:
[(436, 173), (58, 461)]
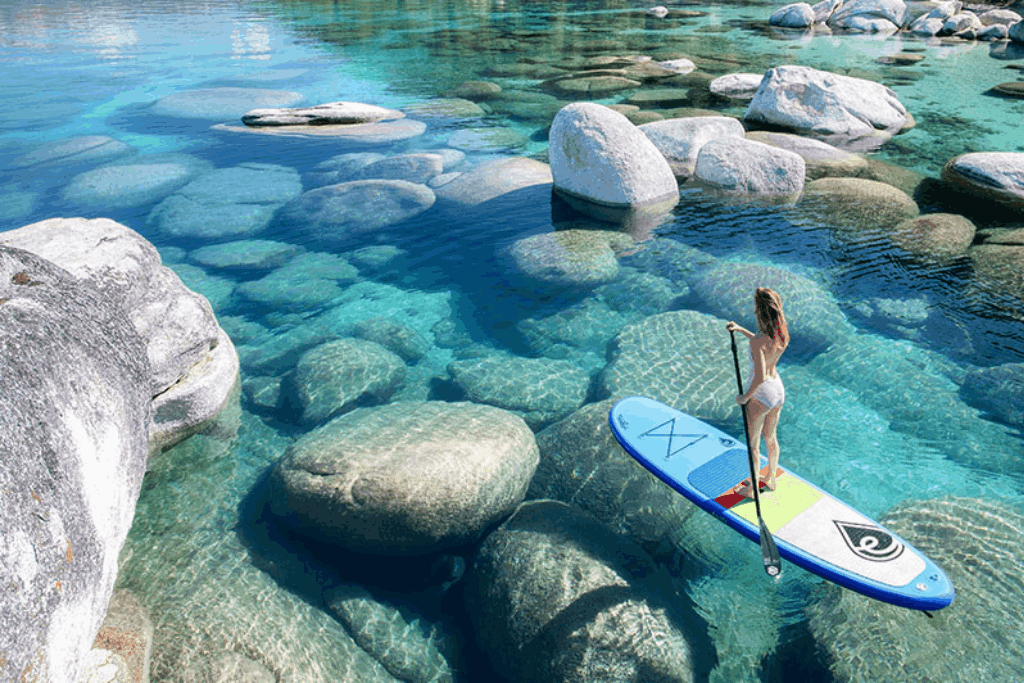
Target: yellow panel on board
[(781, 505)]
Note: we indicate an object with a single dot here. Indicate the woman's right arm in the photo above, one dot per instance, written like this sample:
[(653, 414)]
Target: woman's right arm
[(733, 327)]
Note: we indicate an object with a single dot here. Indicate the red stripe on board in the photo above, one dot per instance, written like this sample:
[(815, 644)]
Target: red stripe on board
[(727, 499)]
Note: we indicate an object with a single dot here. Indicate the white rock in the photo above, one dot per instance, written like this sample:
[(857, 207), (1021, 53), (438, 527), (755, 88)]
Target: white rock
[(824, 10), (1016, 32), (1004, 17), (797, 15), (682, 65), (827, 104), (680, 140), (736, 86), (962, 22), (660, 11), (994, 32), (927, 26), (746, 167), (862, 15), (991, 175), (597, 155)]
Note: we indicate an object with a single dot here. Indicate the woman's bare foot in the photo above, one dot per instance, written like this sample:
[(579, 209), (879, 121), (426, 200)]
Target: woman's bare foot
[(771, 483), (744, 489)]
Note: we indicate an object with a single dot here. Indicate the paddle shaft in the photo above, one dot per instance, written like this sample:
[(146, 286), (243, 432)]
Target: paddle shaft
[(772, 563)]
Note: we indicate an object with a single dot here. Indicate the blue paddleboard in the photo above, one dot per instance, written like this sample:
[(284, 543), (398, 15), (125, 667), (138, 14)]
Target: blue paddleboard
[(812, 529)]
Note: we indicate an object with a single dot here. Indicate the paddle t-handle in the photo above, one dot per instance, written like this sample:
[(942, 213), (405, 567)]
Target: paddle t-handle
[(770, 554)]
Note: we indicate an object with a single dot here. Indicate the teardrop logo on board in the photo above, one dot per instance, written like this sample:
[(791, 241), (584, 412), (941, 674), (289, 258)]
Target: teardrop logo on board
[(869, 541)]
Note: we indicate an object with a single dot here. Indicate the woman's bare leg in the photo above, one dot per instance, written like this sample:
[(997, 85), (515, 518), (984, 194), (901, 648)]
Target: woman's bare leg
[(756, 414), (771, 441)]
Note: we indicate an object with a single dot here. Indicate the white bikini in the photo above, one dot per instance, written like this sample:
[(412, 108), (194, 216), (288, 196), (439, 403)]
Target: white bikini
[(771, 392)]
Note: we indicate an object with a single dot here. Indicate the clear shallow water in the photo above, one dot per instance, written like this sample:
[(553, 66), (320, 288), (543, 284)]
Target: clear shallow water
[(95, 69)]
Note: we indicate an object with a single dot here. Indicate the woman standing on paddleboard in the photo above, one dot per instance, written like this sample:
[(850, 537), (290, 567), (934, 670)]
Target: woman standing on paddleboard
[(765, 393)]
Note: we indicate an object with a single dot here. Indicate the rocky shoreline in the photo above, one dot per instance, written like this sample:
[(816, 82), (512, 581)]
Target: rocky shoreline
[(492, 476)]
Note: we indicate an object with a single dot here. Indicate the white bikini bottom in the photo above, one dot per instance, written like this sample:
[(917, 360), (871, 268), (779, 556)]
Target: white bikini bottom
[(771, 392)]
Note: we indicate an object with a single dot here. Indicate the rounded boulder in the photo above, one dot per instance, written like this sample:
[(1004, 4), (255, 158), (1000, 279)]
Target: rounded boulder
[(406, 478)]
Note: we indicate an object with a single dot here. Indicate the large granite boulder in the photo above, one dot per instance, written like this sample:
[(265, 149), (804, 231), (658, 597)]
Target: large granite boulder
[(539, 390), (680, 140), (989, 176), (335, 214), (794, 15), (570, 258), (1016, 32), (738, 166), (227, 203), (555, 596), (335, 377), (681, 358), (935, 236), (851, 113), (998, 390), (977, 542), (127, 633), (407, 478), (599, 157), (193, 364), (579, 333), (870, 16), (583, 465), (75, 413), (127, 185), (814, 318), (70, 152)]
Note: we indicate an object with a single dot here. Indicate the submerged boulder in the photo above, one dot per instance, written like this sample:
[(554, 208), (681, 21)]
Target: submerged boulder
[(991, 176), (570, 258), (857, 204), (75, 409), (998, 390), (407, 478), (493, 179), (555, 596)]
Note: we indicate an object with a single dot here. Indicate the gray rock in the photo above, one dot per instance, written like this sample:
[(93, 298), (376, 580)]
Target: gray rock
[(488, 139), (824, 10), (280, 351), (814, 318), (70, 151), (853, 112), (380, 132), (641, 293), (998, 390), (408, 645), (744, 167), (587, 326), (337, 213), (555, 596), (493, 179), (999, 268), (993, 176), (75, 410), (680, 140), (977, 542), (450, 107), (245, 255), (337, 376), (936, 236), (228, 202), (820, 159), (597, 155), (681, 65), (221, 104), (291, 289), (413, 168), (539, 390), (739, 87), (1001, 17), (570, 258), (475, 90), (342, 167), (1016, 32), (374, 258), (994, 32), (681, 358), (407, 478), (400, 339), (870, 16), (962, 21), (219, 291), (228, 667), (193, 364), (125, 186), (331, 113), (583, 465), (857, 205), (796, 15), (263, 392)]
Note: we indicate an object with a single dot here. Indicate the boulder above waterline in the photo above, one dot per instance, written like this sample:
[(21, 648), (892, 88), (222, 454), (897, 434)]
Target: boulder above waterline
[(598, 156), (744, 167), (870, 16), (75, 412), (796, 15), (993, 176), (406, 478), (679, 140), (738, 87), (331, 113), (820, 158), (851, 113)]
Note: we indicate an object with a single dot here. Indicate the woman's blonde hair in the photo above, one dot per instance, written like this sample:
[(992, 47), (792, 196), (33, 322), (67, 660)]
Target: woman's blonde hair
[(771, 321)]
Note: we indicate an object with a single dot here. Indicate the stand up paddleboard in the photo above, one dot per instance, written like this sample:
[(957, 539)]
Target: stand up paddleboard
[(812, 529)]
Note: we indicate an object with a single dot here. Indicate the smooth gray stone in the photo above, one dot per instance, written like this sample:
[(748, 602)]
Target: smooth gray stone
[(245, 255), (76, 150), (570, 258), (331, 113), (679, 139), (395, 337), (744, 167), (125, 186), (492, 179), (407, 478), (413, 168), (998, 390), (75, 412)]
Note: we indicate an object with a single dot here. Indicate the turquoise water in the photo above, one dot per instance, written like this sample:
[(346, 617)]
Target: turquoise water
[(879, 419)]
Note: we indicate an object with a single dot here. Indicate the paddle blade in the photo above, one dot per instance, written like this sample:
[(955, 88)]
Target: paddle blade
[(772, 561)]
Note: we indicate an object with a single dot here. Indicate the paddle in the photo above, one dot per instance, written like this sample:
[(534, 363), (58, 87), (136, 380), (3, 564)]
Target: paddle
[(772, 561)]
